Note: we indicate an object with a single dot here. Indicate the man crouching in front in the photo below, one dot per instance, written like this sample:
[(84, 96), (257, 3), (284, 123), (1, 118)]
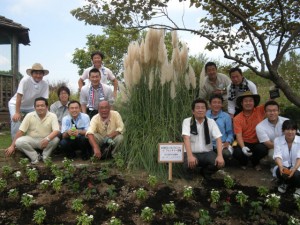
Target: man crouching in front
[(198, 132)]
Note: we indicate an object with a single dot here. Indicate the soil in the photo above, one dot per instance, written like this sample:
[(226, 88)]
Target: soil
[(98, 184)]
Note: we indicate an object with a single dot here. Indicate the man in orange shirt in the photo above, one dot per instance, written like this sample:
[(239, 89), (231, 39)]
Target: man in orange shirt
[(244, 128)]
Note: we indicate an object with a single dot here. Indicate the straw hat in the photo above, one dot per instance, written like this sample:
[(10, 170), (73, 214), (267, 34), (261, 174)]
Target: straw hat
[(37, 66), (256, 98)]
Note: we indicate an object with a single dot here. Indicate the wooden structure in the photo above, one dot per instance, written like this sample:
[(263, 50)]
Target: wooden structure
[(12, 34)]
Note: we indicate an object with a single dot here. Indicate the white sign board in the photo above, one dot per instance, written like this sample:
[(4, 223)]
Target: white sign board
[(170, 152)]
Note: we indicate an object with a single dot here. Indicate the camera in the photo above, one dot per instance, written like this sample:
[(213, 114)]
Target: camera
[(274, 93)]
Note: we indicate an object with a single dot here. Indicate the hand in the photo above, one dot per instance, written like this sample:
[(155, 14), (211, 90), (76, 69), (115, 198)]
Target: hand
[(97, 153), (44, 143), (220, 161), (10, 150), (17, 117), (246, 151), (292, 172), (192, 162)]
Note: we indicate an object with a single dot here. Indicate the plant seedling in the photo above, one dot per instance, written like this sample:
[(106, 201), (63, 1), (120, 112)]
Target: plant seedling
[(188, 192), (85, 219), (26, 200), (147, 214), (3, 184), (228, 182), (114, 221), (112, 206), (141, 194), (241, 198), (215, 196), (6, 170), (204, 217), (39, 215), (168, 209), (152, 181), (77, 205)]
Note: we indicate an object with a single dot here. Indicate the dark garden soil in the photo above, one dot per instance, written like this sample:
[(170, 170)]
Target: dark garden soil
[(96, 186)]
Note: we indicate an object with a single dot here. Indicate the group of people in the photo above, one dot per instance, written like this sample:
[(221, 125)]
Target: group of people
[(233, 125), (89, 125), (237, 127)]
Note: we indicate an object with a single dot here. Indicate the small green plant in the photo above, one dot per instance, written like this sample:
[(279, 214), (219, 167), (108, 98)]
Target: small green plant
[(152, 181), (39, 215), (214, 196), (13, 193), (32, 174), (119, 161), (204, 217), (77, 205), (24, 162), (188, 192), (26, 200), (141, 194), (112, 206), (67, 162), (273, 202), (89, 192), (48, 162), (56, 183), (293, 221), (3, 184), (297, 201), (17, 175), (241, 198), (114, 221), (111, 191), (256, 208), (102, 175), (84, 219), (93, 159), (226, 205), (56, 171), (147, 214), (45, 184), (168, 209), (229, 182), (6, 170), (262, 191), (179, 223)]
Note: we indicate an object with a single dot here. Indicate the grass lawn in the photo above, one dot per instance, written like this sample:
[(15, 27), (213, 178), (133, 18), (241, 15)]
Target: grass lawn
[(5, 139)]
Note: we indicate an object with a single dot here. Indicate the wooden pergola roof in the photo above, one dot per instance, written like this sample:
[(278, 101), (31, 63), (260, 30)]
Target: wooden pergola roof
[(9, 27)]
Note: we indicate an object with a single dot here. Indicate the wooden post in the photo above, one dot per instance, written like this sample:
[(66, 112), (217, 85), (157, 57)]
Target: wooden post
[(170, 171)]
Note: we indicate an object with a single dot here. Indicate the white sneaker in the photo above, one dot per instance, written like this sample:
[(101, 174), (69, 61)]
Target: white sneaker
[(297, 193), (282, 188), (34, 162)]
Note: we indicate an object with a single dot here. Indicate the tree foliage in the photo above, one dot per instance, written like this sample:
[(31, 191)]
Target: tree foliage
[(256, 34), (113, 43)]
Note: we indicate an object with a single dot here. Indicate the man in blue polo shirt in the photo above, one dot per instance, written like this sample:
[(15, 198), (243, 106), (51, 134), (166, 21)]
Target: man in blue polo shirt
[(74, 127)]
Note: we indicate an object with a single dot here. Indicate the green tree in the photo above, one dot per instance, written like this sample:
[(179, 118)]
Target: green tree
[(256, 34), (113, 43)]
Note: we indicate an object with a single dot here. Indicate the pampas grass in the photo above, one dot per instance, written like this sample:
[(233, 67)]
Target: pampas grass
[(159, 94)]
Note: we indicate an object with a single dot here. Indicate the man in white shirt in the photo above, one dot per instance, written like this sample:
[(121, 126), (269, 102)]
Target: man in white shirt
[(271, 127), (30, 88), (239, 85), (106, 74), (92, 94), (198, 132)]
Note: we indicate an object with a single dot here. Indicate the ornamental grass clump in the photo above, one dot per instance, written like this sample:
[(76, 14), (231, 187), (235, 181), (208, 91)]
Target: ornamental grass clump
[(156, 97)]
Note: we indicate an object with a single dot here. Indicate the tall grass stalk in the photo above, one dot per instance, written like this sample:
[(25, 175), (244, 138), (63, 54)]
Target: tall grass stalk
[(153, 112)]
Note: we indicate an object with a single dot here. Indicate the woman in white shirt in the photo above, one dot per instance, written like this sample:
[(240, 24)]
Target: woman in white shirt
[(287, 157)]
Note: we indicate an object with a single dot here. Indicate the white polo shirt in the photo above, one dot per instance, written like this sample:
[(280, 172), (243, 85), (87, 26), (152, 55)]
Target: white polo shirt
[(198, 141), (106, 74), (267, 131), (30, 91)]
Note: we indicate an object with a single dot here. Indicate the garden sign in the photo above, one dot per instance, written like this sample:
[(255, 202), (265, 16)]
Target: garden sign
[(170, 153)]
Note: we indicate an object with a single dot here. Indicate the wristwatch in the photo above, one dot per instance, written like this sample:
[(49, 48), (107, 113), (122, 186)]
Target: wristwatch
[(48, 139)]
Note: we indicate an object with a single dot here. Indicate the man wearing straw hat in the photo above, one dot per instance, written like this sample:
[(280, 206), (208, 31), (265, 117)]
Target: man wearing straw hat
[(30, 88), (244, 128)]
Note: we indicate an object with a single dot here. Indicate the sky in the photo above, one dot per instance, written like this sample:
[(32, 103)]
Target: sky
[(55, 34)]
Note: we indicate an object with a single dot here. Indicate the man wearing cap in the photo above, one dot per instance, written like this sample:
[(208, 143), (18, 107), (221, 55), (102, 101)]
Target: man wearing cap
[(106, 74), (92, 94), (239, 84), (30, 87), (244, 128)]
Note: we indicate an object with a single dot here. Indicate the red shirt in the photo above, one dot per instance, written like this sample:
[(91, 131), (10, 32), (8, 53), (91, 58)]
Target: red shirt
[(246, 124)]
